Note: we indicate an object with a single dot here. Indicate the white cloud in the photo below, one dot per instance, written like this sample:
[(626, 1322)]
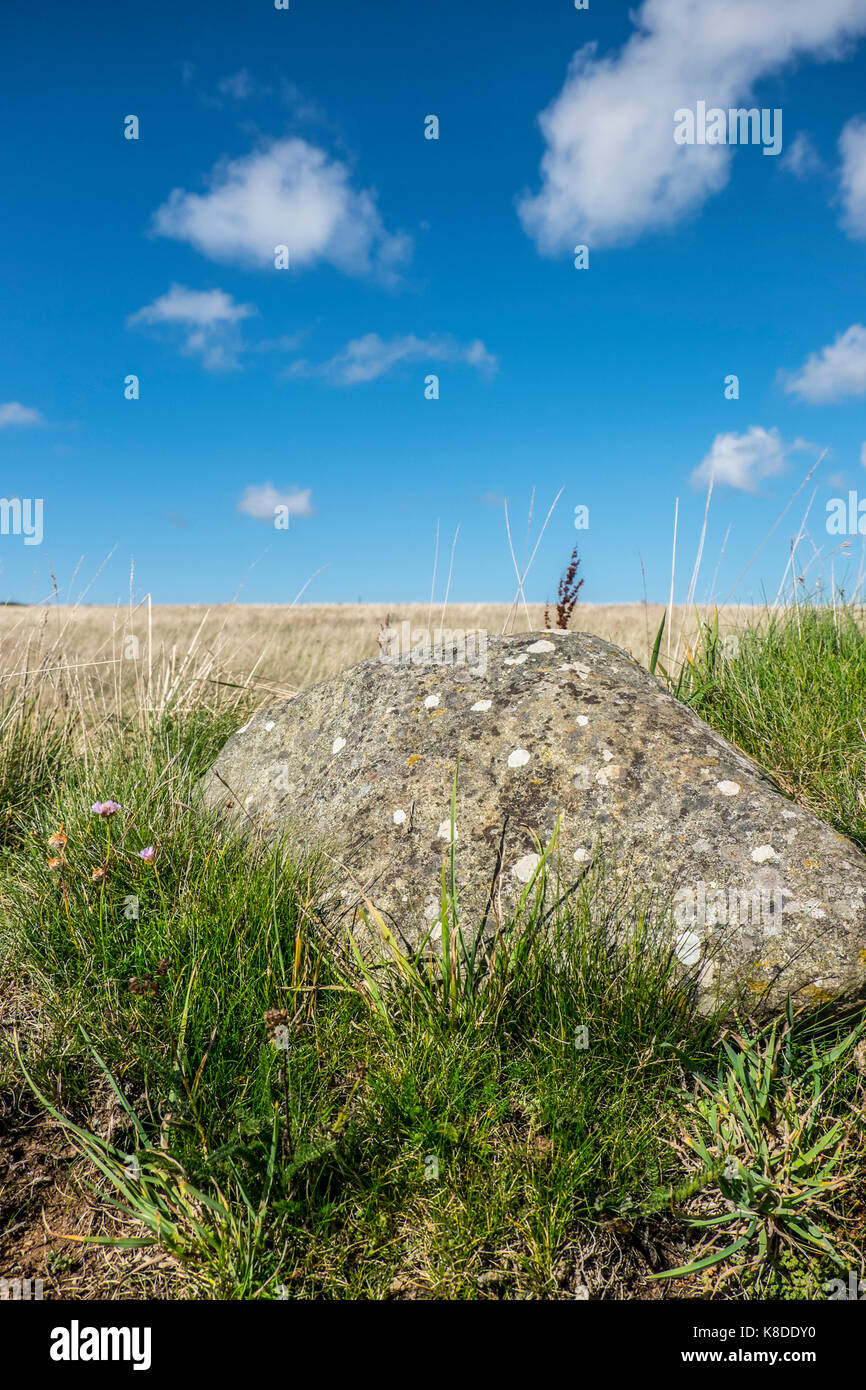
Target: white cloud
[(203, 307), (208, 318), (611, 169), (743, 460), (240, 85), (852, 147), (288, 193), (14, 413), (801, 158), (260, 501), (833, 373), (369, 357)]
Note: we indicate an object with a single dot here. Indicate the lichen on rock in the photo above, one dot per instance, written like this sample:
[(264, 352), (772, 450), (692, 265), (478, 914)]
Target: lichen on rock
[(556, 732)]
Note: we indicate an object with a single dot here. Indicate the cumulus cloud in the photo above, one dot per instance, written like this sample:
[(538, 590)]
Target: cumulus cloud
[(289, 193), (14, 413), (208, 321), (833, 373), (743, 460), (611, 169), (260, 501), (369, 357), (852, 147)]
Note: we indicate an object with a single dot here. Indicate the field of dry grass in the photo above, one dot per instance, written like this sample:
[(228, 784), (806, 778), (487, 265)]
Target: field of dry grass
[(86, 653)]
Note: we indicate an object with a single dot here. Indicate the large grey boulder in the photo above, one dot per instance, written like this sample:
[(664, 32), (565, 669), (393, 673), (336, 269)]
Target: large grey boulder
[(757, 897)]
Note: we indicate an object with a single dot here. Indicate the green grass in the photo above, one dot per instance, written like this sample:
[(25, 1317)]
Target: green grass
[(790, 694), (299, 1124)]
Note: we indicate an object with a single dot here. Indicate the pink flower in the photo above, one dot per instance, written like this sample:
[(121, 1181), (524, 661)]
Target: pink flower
[(148, 854), (105, 808)]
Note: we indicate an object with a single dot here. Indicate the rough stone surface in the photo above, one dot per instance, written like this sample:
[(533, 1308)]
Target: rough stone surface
[(760, 897)]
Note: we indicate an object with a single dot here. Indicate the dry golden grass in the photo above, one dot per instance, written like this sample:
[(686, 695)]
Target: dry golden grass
[(83, 654)]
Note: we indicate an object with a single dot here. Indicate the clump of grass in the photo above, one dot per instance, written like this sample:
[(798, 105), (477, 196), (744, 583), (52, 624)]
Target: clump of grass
[(777, 1148), (789, 692), (32, 752)]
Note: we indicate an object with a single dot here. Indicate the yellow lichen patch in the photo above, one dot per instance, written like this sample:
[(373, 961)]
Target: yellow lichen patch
[(818, 995), (415, 758), (862, 958), (757, 986)]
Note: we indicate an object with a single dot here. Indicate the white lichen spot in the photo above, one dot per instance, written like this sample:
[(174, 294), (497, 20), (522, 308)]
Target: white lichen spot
[(431, 911), (270, 725), (519, 758), (515, 660), (606, 755), (431, 702), (444, 831), (541, 647), (525, 867), (762, 854), (687, 948), (607, 774), (582, 720), (399, 817), (482, 706), (728, 788), (337, 746), (811, 908), (582, 856)]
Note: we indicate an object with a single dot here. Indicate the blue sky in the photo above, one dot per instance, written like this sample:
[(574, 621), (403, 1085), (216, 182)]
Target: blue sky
[(409, 257)]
